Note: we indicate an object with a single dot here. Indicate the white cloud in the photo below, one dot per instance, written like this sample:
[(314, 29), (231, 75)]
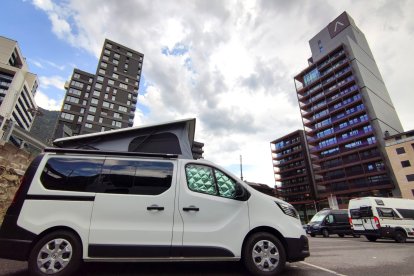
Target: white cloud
[(244, 55), (45, 102), (55, 81)]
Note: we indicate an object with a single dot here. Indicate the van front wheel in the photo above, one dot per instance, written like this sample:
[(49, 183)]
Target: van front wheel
[(57, 253), (325, 233), (264, 254), (371, 238)]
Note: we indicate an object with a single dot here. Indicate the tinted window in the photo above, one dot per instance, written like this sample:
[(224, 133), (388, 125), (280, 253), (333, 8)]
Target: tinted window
[(71, 174), (406, 213), (405, 163), (410, 177), (136, 177), (341, 217), (355, 213)]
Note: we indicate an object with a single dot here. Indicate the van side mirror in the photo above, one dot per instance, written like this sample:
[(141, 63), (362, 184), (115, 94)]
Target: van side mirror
[(241, 193)]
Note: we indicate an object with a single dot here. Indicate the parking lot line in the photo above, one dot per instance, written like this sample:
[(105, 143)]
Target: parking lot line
[(324, 269)]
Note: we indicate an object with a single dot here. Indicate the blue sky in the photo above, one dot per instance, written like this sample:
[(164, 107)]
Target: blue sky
[(230, 64)]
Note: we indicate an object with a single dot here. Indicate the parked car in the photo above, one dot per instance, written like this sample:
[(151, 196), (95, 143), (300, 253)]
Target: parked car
[(377, 217), (92, 205), (327, 222)]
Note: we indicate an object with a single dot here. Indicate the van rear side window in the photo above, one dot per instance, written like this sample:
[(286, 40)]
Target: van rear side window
[(386, 213), (71, 174), (406, 213), (115, 176)]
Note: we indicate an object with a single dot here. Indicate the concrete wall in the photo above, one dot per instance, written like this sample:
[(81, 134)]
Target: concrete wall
[(13, 164)]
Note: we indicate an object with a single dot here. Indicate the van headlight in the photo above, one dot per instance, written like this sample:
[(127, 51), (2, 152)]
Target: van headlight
[(288, 209)]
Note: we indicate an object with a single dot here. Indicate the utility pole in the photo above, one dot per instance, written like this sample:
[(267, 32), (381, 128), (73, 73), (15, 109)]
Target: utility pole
[(241, 167)]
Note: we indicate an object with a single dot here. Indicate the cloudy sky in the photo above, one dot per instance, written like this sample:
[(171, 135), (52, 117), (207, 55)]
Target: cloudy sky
[(230, 64)]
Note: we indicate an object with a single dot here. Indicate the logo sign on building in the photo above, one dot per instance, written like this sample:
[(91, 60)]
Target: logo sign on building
[(340, 23)]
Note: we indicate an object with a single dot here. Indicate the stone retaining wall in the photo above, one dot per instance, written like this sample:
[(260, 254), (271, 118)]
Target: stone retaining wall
[(13, 164)]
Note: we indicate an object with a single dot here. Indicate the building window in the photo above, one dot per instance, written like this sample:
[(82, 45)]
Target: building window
[(100, 78), (405, 163), (104, 65), (129, 54), (111, 82), (122, 108), (123, 86), (102, 71), (67, 116), (76, 76), (108, 45), (320, 46), (82, 110), (80, 118), (100, 120), (116, 56), (74, 91), (92, 109), (77, 84), (115, 76), (117, 124), (87, 125), (102, 129), (66, 107), (90, 80), (105, 58), (94, 101), (96, 93), (410, 177), (117, 115), (98, 86), (115, 61), (400, 150), (107, 52), (90, 118), (72, 99)]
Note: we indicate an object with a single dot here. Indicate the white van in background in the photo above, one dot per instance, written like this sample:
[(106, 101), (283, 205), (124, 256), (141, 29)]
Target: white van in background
[(377, 217)]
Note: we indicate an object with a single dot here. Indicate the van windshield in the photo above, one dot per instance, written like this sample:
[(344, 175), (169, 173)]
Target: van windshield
[(318, 217)]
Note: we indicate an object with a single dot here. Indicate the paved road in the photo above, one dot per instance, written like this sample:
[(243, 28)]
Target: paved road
[(332, 256)]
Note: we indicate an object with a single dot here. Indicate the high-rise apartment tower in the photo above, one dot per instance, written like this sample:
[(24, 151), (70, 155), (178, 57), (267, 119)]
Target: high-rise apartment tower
[(346, 112), (17, 88), (106, 100)]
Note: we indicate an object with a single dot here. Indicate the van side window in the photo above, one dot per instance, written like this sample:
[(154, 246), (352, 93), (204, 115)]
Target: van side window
[(406, 213), (71, 174), (386, 213), (136, 177), (330, 219), (226, 185), (200, 179), (204, 179)]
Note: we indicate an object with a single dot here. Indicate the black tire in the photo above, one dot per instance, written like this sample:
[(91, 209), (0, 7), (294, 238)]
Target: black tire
[(312, 235), (371, 238), (263, 254), (64, 251), (400, 236), (325, 233), (341, 235)]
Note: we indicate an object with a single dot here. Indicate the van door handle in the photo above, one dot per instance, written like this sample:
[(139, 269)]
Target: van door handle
[(155, 207), (191, 208)]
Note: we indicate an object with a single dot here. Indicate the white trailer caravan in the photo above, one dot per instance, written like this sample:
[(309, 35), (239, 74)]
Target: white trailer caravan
[(377, 217)]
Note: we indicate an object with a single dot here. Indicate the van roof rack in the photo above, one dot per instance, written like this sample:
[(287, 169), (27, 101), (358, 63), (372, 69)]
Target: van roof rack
[(112, 153)]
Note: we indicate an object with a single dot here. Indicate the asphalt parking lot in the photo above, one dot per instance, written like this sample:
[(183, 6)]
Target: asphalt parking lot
[(329, 256)]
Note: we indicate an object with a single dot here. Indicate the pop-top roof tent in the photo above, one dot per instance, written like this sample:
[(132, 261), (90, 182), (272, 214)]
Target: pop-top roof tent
[(174, 137)]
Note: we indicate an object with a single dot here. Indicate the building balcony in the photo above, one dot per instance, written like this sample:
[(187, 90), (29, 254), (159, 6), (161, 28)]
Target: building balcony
[(317, 159), (337, 131), (343, 164), (286, 146), (288, 169), (282, 156), (368, 188), (307, 114), (285, 163), (280, 178), (342, 141)]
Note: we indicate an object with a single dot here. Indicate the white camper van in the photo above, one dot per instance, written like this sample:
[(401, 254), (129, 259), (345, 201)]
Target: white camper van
[(77, 205), (377, 217)]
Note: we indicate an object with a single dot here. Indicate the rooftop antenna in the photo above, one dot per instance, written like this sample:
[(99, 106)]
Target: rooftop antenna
[(241, 167)]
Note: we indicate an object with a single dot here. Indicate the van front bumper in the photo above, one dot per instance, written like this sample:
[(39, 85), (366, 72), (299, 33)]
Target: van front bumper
[(297, 249)]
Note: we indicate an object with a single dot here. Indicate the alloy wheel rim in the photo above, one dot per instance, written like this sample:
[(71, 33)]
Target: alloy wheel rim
[(265, 255), (54, 256)]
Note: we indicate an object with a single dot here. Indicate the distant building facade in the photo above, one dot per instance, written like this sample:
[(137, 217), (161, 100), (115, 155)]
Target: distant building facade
[(293, 172), (400, 150), (105, 100), (262, 188), (18, 87), (346, 109)]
